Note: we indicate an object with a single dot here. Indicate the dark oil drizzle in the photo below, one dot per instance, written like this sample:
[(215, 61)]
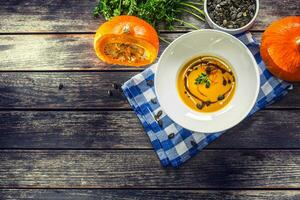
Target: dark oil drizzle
[(195, 65)]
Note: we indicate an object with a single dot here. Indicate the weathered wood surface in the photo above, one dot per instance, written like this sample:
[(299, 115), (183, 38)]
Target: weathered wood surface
[(98, 194), (52, 52), (78, 136), (58, 52), (81, 90), (141, 169), (76, 15), (122, 130)]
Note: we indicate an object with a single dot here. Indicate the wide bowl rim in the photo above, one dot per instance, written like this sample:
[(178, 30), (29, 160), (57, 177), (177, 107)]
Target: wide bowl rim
[(255, 66), (232, 30)]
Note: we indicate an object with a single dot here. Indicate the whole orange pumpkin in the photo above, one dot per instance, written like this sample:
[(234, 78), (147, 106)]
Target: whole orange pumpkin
[(126, 40), (280, 48)]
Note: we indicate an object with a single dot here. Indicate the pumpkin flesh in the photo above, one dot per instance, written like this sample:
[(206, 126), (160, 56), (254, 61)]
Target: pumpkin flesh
[(126, 40)]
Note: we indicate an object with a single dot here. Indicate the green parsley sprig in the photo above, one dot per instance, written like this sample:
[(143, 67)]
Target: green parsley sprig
[(203, 79), (153, 11)]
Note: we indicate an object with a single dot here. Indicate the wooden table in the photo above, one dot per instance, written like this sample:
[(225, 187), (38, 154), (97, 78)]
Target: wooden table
[(63, 137)]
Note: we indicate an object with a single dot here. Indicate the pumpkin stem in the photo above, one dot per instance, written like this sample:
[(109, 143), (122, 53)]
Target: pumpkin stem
[(298, 42)]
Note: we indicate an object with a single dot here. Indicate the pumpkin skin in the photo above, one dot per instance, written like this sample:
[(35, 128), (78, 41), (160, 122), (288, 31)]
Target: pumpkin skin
[(126, 40), (280, 48)]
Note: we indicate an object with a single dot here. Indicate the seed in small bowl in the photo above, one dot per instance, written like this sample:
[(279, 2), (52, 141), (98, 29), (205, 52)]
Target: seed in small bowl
[(231, 14)]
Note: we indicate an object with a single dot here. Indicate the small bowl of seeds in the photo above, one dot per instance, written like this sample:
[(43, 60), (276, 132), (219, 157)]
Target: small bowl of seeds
[(231, 16)]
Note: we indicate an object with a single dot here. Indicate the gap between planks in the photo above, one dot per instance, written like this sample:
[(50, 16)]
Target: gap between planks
[(92, 33), (144, 149), (154, 189), (92, 109)]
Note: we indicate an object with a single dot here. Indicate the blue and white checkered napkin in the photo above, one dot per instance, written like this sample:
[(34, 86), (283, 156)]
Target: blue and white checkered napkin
[(173, 144)]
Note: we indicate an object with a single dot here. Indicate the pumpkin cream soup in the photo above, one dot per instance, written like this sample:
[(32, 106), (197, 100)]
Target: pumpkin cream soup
[(206, 84)]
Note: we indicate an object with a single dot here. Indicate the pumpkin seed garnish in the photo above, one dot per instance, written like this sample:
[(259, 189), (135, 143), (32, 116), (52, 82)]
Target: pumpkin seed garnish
[(224, 81), (208, 70), (160, 123), (207, 103), (60, 86), (150, 83), (193, 143), (153, 101), (171, 135), (200, 106), (221, 97), (159, 113), (110, 93), (115, 86)]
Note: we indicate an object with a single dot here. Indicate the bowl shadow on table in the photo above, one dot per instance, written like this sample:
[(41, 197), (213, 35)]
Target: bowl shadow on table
[(221, 169), (238, 158)]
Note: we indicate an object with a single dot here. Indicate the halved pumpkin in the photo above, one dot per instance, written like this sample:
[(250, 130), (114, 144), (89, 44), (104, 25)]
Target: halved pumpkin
[(126, 40)]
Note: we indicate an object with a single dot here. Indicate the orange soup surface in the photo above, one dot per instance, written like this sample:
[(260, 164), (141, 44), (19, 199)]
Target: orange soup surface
[(206, 84)]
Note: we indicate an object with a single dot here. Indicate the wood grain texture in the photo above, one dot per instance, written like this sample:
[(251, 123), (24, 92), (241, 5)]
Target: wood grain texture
[(80, 90), (122, 130), (82, 151), (76, 15), (98, 194), (48, 16), (58, 52), (40, 90), (55, 52), (142, 169)]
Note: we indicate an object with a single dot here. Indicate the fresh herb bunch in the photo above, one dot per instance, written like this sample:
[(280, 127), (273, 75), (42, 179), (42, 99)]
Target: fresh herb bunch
[(152, 11), (112, 8), (203, 79)]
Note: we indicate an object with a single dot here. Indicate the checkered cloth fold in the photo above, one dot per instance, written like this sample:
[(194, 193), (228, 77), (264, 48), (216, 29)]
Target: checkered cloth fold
[(173, 144)]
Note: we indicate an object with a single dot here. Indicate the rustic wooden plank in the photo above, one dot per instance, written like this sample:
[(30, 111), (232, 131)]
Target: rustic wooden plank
[(141, 169), (122, 130), (98, 194), (113, 129), (48, 16), (80, 90), (54, 52), (75, 15), (58, 52)]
